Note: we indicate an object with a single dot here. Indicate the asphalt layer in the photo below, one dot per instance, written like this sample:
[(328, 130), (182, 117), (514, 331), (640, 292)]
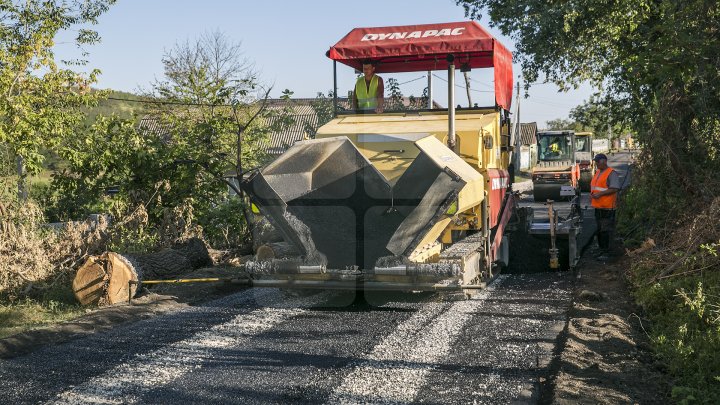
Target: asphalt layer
[(267, 346)]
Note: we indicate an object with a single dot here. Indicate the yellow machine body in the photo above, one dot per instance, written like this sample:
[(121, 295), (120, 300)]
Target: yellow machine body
[(392, 141)]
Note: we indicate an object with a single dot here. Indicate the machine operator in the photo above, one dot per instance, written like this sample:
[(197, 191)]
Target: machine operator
[(369, 94)]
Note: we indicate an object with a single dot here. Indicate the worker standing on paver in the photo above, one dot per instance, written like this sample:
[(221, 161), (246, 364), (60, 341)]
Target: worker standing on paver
[(603, 195), (369, 94)]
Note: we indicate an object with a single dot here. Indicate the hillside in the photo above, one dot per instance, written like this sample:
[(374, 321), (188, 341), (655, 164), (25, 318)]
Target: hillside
[(112, 106)]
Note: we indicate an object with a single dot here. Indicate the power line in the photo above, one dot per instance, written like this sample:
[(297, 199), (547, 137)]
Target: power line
[(413, 80), (463, 87), (482, 83)]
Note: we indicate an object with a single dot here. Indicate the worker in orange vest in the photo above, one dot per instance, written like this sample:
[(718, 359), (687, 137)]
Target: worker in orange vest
[(369, 94), (603, 196)]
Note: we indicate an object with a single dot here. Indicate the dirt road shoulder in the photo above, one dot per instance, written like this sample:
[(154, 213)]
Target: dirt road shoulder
[(605, 355), (162, 299)]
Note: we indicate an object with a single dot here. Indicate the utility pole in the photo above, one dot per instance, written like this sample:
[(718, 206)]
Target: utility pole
[(516, 144), (467, 87), (22, 178), (430, 92), (451, 103)]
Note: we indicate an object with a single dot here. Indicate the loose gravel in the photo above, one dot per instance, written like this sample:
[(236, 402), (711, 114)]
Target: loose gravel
[(397, 368), (129, 381), (262, 346)]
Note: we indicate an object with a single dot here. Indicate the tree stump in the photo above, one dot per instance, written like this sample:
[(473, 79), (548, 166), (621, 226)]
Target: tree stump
[(113, 277)]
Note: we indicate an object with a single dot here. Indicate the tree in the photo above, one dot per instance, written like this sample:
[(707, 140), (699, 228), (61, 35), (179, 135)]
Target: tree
[(395, 99), (419, 103), (207, 70), (41, 100), (208, 89), (655, 62), (203, 128), (322, 106), (560, 124), (595, 116)]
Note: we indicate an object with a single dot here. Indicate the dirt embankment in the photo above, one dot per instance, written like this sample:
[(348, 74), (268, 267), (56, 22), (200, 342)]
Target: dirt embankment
[(605, 356)]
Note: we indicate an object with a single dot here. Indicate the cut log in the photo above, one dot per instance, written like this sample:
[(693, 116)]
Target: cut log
[(90, 281), (112, 277), (120, 272), (276, 250)]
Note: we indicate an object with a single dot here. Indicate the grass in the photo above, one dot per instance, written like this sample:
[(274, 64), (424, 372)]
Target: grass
[(31, 313), (685, 315)]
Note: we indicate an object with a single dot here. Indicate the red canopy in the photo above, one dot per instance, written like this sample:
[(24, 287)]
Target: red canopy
[(413, 48)]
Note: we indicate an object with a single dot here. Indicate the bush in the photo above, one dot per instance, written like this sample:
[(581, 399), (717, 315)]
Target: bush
[(685, 315), (678, 285)]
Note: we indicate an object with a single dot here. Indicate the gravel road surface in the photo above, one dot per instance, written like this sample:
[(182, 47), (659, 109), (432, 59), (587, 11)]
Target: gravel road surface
[(265, 346)]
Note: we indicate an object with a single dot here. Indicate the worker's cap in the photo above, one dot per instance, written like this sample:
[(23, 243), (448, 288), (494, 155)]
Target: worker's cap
[(600, 156)]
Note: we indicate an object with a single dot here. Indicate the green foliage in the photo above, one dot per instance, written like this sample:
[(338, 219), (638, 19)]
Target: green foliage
[(419, 103), (655, 63), (40, 100), (560, 124), (111, 105), (169, 178), (207, 70), (394, 96), (322, 106), (113, 153), (653, 60), (595, 116), (29, 313), (685, 314), (225, 224), (396, 101)]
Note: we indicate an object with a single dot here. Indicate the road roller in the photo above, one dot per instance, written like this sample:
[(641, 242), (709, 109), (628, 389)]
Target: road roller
[(556, 173)]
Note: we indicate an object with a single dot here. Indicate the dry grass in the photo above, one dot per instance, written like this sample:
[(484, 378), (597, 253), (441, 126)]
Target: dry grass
[(38, 261), (691, 247), (35, 257)]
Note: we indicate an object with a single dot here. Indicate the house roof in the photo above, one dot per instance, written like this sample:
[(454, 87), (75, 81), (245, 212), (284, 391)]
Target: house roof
[(528, 131), (303, 115), (284, 136), (149, 125)]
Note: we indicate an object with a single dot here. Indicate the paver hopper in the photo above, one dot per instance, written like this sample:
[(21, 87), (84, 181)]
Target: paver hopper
[(332, 203)]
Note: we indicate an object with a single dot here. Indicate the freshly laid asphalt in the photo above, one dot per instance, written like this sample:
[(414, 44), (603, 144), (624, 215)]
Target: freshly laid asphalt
[(264, 346), (270, 346)]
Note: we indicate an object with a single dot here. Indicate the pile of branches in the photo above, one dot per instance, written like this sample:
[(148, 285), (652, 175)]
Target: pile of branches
[(36, 257), (689, 245)]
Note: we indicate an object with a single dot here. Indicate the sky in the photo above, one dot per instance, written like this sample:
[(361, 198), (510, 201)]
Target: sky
[(286, 41)]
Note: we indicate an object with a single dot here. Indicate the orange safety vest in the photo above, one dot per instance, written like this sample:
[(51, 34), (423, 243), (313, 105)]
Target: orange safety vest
[(600, 183)]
